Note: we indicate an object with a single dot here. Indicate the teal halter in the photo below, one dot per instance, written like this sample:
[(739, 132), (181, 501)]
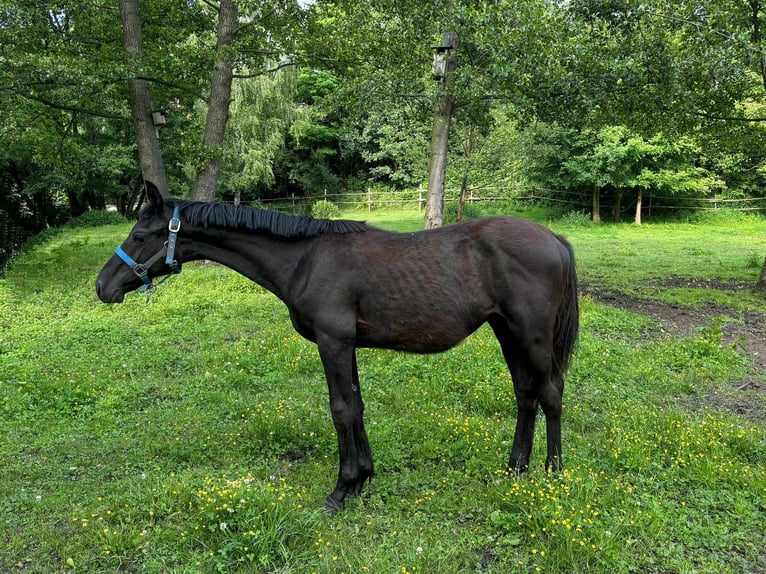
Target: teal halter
[(167, 251)]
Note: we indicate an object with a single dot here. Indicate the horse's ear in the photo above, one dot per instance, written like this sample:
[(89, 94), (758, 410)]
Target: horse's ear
[(154, 196)]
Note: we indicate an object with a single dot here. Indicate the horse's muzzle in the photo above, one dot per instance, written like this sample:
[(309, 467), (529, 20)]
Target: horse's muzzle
[(107, 296)]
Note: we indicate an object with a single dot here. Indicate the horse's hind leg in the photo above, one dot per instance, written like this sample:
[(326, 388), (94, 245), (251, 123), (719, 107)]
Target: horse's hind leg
[(347, 408), (526, 400), (533, 384), (550, 396)]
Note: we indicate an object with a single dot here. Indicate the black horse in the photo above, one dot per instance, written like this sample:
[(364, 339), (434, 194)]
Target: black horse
[(349, 285)]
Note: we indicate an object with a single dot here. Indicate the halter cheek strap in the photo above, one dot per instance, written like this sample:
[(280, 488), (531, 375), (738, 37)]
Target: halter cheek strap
[(168, 251), (140, 269)]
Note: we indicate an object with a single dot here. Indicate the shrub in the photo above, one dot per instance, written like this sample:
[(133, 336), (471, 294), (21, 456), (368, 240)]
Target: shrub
[(324, 209), (577, 219), (96, 218), (754, 261), (470, 211), (723, 215)]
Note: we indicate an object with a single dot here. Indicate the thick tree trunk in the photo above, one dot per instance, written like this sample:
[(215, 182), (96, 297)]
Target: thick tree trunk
[(755, 6), (638, 206), (218, 107), (437, 167), (150, 156)]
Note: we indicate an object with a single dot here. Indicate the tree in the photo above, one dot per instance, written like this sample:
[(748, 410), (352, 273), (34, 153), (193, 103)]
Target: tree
[(79, 59), (249, 36), (680, 65), (382, 52), (393, 144), (446, 59), (218, 103), (152, 166), (614, 161), (70, 64), (262, 111), (310, 160)]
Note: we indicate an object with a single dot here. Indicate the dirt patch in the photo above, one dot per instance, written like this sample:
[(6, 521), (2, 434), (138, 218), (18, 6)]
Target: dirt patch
[(745, 328), (691, 283)]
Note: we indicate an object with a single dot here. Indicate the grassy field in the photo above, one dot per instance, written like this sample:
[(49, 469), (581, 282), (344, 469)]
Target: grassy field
[(193, 434)]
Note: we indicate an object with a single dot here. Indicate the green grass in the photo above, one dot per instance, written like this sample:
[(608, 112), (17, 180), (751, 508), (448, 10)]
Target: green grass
[(193, 434), (644, 261)]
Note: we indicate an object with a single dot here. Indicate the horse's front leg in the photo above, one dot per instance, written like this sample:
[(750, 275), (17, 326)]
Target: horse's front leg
[(347, 408)]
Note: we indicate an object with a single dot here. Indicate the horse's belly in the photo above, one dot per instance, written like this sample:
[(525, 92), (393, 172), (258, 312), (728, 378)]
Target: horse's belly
[(412, 336)]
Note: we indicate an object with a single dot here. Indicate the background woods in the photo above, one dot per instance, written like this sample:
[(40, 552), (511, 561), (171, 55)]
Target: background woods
[(613, 101)]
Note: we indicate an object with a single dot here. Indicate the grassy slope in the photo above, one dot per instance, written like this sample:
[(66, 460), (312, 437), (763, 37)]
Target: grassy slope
[(193, 434)]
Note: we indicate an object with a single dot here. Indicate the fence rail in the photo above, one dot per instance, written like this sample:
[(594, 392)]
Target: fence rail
[(373, 199)]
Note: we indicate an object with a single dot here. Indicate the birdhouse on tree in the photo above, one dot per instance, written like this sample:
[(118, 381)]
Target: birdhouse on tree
[(442, 52)]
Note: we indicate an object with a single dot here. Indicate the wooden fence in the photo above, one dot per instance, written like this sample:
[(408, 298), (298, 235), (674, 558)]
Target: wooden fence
[(375, 199)]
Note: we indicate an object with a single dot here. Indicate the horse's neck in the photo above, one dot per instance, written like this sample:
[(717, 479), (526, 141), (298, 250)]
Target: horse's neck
[(266, 260)]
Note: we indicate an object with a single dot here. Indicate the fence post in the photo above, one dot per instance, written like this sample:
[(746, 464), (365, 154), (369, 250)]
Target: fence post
[(420, 197), (369, 200), (292, 208)]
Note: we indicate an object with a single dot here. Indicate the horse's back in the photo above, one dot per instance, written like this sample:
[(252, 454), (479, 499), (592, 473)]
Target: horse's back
[(426, 291)]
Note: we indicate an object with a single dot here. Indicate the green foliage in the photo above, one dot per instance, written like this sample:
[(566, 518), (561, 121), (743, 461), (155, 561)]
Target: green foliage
[(96, 218), (722, 216), (471, 210), (565, 96), (577, 218), (324, 209), (262, 111), (616, 159), (310, 160), (499, 157), (393, 143)]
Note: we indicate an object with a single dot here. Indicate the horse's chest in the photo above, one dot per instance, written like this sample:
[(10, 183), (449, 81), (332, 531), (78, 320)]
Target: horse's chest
[(303, 325)]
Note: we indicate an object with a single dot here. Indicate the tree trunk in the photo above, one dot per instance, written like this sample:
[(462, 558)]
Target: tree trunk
[(76, 206), (149, 154), (638, 206), (617, 207), (755, 6), (760, 286), (129, 203), (437, 167), (596, 204), (461, 201), (218, 106)]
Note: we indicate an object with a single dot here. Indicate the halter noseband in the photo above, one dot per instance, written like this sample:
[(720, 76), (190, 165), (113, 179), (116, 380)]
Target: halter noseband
[(168, 251)]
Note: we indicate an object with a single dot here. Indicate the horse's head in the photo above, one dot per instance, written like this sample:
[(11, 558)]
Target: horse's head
[(147, 252)]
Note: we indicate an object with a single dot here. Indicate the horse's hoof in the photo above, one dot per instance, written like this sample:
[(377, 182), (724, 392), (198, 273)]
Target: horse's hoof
[(554, 466), (332, 506), (516, 469)]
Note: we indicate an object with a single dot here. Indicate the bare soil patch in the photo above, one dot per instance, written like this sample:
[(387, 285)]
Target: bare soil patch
[(746, 328)]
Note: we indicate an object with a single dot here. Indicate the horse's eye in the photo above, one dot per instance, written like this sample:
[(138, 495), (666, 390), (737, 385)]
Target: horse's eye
[(138, 238)]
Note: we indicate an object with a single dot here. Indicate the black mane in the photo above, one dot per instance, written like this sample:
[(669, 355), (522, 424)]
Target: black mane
[(225, 215)]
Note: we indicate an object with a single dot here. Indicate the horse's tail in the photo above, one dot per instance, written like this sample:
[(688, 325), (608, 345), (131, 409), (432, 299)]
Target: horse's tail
[(568, 316)]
